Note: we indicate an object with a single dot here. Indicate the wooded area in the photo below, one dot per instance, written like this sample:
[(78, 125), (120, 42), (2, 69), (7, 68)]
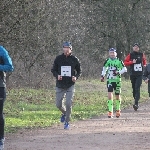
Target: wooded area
[(33, 33)]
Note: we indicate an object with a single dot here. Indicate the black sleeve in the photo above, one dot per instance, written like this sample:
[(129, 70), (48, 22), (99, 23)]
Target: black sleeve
[(145, 73), (78, 69), (54, 69)]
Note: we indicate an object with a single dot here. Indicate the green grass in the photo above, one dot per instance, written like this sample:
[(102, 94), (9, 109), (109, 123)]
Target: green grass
[(32, 108)]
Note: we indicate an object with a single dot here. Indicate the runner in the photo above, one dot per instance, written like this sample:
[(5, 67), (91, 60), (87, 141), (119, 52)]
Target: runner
[(66, 69), (137, 61), (146, 77), (113, 67), (5, 66)]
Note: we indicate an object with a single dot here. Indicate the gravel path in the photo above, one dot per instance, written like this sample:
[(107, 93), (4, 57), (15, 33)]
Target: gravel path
[(129, 132)]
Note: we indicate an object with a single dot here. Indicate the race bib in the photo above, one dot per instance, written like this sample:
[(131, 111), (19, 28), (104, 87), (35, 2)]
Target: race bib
[(137, 67), (66, 71)]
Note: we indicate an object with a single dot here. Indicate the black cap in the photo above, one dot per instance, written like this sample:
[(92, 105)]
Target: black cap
[(136, 44)]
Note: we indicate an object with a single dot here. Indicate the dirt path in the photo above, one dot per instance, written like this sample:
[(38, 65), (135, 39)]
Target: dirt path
[(131, 131)]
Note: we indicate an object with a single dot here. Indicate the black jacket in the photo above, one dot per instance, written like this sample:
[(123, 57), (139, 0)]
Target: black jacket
[(62, 60), (146, 74), (139, 69)]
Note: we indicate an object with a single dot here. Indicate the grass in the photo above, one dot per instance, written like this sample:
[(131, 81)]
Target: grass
[(32, 108)]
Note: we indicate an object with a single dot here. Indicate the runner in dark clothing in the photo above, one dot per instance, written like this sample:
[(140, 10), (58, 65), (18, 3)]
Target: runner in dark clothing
[(146, 77), (137, 61), (5, 66), (66, 69)]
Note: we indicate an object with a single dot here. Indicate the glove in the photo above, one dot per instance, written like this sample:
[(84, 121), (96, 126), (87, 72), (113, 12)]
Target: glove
[(102, 79), (115, 73)]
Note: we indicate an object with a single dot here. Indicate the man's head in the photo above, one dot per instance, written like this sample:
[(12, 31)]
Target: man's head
[(67, 48), (112, 53), (136, 47)]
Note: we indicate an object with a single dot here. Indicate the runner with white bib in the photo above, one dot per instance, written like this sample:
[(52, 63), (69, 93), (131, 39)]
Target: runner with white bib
[(66, 69), (137, 61)]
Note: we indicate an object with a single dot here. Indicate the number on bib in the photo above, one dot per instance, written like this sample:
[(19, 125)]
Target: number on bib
[(137, 67)]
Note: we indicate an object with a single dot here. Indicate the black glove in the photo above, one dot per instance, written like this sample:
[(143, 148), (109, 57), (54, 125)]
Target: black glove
[(102, 79), (115, 73)]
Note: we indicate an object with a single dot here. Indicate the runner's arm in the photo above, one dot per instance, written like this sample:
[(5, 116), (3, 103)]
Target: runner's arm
[(78, 69), (145, 73), (7, 65), (54, 69), (105, 68), (144, 60), (104, 71), (123, 68), (127, 61)]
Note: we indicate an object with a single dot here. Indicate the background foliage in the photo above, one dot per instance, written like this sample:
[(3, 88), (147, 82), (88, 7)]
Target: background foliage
[(33, 33)]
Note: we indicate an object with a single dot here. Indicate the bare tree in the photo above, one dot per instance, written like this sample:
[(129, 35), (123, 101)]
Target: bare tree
[(33, 32)]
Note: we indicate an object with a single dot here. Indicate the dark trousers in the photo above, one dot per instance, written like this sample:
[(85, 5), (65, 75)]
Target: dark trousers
[(136, 84), (149, 87), (2, 122)]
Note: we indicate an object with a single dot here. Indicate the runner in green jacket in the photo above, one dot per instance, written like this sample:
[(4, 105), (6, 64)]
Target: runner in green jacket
[(113, 67)]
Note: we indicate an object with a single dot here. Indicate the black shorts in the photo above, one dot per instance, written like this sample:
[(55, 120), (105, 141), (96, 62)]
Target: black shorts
[(114, 86)]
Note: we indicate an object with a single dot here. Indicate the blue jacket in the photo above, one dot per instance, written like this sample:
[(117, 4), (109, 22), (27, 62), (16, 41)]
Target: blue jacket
[(5, 61), (5, 65)]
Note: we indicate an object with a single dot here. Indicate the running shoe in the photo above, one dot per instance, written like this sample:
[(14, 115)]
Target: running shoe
[(62, 118), (118, 113), (135, 107), (110, 114), (66, 126)]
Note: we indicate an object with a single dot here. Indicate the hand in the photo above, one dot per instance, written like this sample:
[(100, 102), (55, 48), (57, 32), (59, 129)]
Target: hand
[(102, 79), (134, 61), (59, 77), (74, 78), (115, 72), (146, 81)]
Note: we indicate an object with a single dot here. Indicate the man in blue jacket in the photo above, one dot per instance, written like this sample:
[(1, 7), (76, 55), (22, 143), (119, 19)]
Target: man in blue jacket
[(5, 66), (66, 69)]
